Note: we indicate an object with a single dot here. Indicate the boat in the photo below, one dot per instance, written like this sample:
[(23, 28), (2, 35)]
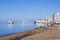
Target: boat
[(10, 22)]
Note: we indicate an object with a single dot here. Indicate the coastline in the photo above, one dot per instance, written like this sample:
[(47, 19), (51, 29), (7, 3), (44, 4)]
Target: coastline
[(44, 32), (53, 33), (22, 34)]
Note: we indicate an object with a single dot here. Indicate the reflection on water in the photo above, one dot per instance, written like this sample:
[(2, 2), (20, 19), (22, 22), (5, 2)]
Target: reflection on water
[(6, 29), (10, 26)]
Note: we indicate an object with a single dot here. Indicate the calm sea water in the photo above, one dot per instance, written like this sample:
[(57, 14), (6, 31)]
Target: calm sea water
[(6, 29)]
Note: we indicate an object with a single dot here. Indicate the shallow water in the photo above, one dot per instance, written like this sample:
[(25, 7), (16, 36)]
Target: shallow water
[(6, 29)]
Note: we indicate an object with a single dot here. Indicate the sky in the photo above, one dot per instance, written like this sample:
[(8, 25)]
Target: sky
[(29, 9)]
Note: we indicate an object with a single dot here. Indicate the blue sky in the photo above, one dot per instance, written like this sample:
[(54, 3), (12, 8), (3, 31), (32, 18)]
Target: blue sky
[(30, 9)]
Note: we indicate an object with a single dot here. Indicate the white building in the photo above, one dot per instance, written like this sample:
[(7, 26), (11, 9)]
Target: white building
[(41, 23), (56, 18), (46, 22)]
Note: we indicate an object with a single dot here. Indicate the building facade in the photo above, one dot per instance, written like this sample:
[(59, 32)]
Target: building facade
[(44, 22), (56, 18)]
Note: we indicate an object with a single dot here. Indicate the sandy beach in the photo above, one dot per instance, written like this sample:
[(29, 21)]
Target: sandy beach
[(20, 35), (53, 33), (49, 33)]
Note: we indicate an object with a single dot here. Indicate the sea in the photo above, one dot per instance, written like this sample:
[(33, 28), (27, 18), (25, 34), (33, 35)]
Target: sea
[(7, 29)]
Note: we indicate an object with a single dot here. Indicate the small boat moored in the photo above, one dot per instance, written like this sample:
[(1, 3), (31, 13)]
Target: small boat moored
[(10, 22)]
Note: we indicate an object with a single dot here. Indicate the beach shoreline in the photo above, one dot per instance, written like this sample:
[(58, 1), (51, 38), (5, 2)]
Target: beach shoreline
[(21, 34)]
